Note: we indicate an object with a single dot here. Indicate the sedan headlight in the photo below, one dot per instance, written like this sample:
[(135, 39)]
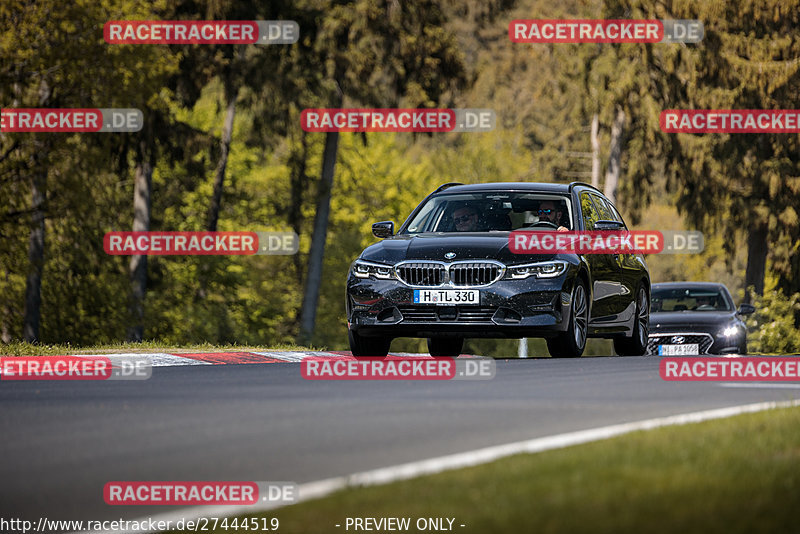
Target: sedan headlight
[(543, 269), (365, 269), (731, 331)]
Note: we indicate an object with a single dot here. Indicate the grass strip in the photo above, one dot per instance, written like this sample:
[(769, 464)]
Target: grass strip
[(734, 475), (35, 349)]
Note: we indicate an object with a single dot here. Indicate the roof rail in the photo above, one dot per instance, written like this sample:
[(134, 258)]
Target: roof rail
[(572, 185), (445, 186)]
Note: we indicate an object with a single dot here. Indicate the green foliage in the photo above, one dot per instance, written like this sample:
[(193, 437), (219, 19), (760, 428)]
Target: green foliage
[(772, 328), (726, 183)]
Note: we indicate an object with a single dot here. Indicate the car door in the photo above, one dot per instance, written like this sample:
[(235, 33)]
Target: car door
[(632, 268), (624, 282), (604, 271)]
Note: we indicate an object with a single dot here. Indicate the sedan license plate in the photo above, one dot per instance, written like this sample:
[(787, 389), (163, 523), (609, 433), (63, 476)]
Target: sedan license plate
[(678, 350), (447, 297)]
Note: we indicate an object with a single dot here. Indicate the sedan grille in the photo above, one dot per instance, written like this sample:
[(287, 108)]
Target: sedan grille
[(474, 274), (458, 274), (421, 274), (703, 341)]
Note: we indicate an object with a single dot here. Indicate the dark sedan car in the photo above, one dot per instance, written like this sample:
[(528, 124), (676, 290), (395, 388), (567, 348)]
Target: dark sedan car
[(448, 274), (696, 318)]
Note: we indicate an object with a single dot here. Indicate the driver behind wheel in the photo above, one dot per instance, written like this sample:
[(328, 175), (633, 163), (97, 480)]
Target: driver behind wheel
[(705, 303), (465, 219), (551, 212)]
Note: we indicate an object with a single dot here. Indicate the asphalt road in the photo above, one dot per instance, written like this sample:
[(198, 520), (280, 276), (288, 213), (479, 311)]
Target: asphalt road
[(62, 441)]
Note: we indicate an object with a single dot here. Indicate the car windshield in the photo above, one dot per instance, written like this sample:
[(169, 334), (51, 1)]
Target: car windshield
[(491, 211), (688, 299)]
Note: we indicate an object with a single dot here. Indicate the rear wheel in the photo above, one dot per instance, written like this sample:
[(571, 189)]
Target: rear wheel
[(445, 346), (368, 346), (636, 345), (571, 343)]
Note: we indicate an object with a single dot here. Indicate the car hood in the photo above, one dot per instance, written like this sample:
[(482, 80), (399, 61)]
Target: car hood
[(684, 320), (466, 246)]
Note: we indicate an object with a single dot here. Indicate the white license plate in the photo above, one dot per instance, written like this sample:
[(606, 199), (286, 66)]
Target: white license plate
[(678, 350), (447, 297)]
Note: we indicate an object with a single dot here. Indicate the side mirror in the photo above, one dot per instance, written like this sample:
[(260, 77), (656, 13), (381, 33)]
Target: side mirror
[(608, 225), (383, 229), (746, 309)]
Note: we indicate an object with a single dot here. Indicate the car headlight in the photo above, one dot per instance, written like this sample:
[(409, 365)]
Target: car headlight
[(365, 269), (543, 269), (731, 331)]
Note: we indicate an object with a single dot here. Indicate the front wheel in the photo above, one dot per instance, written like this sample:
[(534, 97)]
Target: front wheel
[(636, 345), (368, 346), (445, 346), (571, 343)]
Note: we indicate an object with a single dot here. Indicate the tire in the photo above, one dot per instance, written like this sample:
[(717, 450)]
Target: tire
[(636, 345), (445, 346), (570, 344), (362, 346)]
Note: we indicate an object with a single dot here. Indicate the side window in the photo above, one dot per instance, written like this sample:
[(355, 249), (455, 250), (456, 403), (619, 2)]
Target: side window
[(588, 212), (422, 220), (605, 212), (617, 216)]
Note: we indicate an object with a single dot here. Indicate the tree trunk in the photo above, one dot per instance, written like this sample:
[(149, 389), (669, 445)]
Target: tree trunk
[(33, 284), (299, 183), (756, 260), (308, 315), (8, 313), (137, 268), (595, 151), (614, 157), (231, 93)]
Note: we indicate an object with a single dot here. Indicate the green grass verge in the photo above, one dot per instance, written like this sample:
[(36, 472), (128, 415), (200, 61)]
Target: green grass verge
[(31, 349), (735, 475)]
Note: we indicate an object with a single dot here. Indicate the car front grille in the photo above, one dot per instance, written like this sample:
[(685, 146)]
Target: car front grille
[(421, 274), (458, 274), (442, 314), (474, 274), (703, 341)]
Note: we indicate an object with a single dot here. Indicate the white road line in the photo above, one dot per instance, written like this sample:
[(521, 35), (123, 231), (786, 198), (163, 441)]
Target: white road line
[(322, 488), (758, 385)]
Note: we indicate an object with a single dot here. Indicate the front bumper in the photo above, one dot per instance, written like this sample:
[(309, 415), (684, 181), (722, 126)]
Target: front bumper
[(708, 342), (534, 307)]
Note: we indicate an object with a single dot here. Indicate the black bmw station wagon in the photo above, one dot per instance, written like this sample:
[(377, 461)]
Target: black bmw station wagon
[(447, 274)]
